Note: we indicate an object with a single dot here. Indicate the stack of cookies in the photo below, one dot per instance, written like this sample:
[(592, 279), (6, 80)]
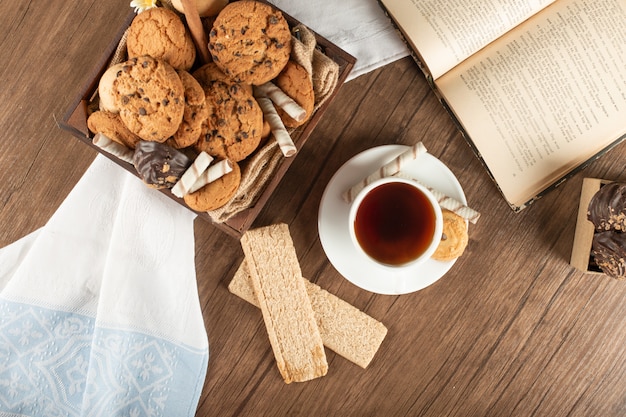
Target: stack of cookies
[(165, 107)]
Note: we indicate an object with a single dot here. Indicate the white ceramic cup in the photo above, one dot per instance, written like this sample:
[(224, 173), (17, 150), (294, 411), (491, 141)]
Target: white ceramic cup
[(395, 222)]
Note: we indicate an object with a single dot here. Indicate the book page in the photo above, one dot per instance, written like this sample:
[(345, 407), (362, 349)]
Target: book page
[(444, 33), (545, 98)]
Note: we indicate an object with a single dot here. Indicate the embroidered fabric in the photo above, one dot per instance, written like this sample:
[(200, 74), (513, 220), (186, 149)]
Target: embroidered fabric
[(99, 311)]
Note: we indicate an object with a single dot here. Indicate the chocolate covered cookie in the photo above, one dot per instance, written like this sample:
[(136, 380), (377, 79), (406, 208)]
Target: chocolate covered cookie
[(159, 165), (609, 251), (250, 41), (607, 212), (607, 208), (150, 96)]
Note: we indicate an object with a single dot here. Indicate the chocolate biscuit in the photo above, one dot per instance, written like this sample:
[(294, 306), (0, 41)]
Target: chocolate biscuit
[(607, 208), (159, 165)]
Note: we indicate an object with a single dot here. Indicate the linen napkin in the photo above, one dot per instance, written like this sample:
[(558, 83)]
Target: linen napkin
[(360, 27), (99, 310)]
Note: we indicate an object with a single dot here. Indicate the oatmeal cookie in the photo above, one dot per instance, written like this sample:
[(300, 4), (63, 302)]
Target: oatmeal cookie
[(217, 193), (295, 81), (160, 33), (111, 126)]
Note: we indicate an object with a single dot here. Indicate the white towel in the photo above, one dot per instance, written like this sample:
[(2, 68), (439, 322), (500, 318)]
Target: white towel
[(360, 27), (99, 310)]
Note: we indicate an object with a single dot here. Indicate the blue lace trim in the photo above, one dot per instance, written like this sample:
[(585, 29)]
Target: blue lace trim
[(54, 363)]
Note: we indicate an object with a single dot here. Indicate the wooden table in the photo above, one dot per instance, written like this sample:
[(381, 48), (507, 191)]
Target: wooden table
[(511, 329)]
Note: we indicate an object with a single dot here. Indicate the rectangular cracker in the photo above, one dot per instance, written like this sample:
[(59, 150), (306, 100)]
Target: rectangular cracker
[(277, 280), (344, 329)]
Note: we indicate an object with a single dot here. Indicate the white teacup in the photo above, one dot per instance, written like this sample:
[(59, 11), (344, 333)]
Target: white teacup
[(396, 222)]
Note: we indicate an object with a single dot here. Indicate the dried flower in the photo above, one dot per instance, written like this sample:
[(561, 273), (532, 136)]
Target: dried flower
[(141, 5)]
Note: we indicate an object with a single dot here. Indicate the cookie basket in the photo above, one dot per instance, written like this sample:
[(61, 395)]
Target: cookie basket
[(75, 122)]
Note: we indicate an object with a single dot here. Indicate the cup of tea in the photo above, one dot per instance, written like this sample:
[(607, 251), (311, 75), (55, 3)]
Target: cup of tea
[(396, 222)]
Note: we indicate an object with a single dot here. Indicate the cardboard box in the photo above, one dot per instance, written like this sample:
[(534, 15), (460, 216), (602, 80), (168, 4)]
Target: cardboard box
[(75, 122), (583, 236)]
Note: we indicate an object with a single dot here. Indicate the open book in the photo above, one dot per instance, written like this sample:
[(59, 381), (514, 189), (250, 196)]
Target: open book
[(538, 87)]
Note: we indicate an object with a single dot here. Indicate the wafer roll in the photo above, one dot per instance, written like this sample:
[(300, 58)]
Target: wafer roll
[(386, 170), (189, 178), (287, 147), (282, 100), (114, 148), (448, 202), (215, 171), (194, 23)]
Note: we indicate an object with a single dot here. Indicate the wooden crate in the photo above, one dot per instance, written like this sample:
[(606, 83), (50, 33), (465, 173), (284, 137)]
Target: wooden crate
[(75, 122)]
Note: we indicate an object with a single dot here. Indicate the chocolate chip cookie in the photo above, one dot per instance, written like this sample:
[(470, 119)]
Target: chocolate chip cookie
[(150, 96), (235, 123), (250, 41), (195, 113)]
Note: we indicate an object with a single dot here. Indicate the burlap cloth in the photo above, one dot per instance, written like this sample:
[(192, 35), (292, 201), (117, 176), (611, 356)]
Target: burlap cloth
[(258, 169)]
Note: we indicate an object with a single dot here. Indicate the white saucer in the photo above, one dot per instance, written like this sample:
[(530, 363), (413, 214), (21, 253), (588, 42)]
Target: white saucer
[(335, 235)]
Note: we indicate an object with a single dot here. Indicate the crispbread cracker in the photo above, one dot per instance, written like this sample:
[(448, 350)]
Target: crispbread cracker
[(277, 280), (344, 329)]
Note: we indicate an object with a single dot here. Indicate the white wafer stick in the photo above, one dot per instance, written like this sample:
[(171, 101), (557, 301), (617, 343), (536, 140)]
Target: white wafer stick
[(186, 181), (282, 100), (276, 125), (114, 148), (215, 171), (386, 170), (447, 202)]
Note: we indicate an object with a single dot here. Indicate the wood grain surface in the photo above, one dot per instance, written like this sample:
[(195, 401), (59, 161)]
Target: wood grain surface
[(511, 330)]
